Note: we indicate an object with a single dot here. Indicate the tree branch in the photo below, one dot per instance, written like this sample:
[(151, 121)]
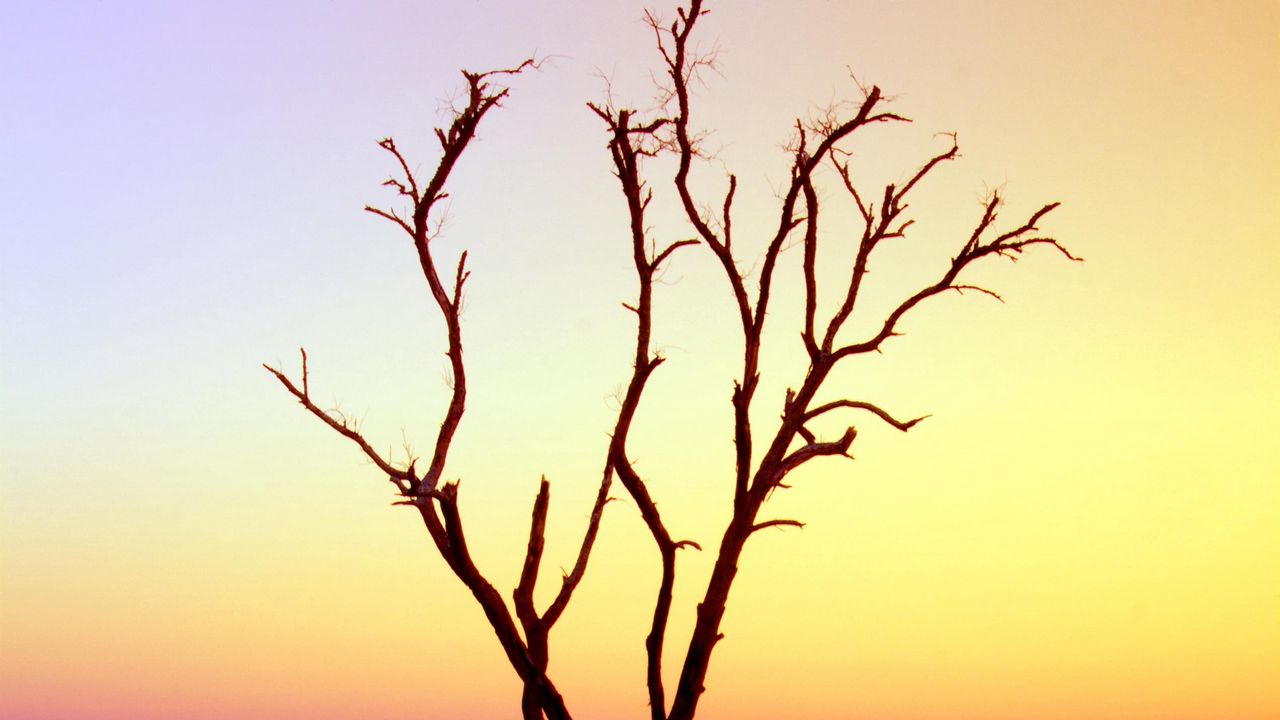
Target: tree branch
[(404, 479), (776, 523), (1010, 245), (626, 154), (392, 216), (389, 145), (875, 231), (810, 262), (523, 595), (670, 249), (813, 450), (445, 528), (571, 580), (527, 668), (858, 405)]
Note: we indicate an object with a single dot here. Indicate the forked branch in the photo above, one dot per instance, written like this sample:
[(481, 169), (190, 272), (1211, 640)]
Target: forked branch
[(1010, 244), (403, 478)]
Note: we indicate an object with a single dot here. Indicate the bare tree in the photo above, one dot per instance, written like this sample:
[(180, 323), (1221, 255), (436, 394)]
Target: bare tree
[(633, 137)]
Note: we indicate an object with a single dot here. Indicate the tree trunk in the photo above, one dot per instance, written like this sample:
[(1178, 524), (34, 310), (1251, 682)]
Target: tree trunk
[(706, 631)]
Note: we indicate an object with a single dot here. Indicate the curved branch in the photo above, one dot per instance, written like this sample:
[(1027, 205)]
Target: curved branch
[(776, 523), (670, 249), (859, 405)]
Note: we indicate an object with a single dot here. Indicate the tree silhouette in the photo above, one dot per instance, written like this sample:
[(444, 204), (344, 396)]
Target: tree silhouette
[(633, 137)]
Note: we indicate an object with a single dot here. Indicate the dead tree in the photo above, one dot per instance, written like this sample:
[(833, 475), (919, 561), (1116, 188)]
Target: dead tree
[(634, 137)]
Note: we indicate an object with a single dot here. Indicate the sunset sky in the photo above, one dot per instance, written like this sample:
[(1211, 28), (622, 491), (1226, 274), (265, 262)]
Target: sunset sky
[(1087, 526)]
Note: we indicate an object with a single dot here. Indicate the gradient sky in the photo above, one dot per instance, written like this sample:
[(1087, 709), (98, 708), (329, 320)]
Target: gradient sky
[(1087, 527)]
